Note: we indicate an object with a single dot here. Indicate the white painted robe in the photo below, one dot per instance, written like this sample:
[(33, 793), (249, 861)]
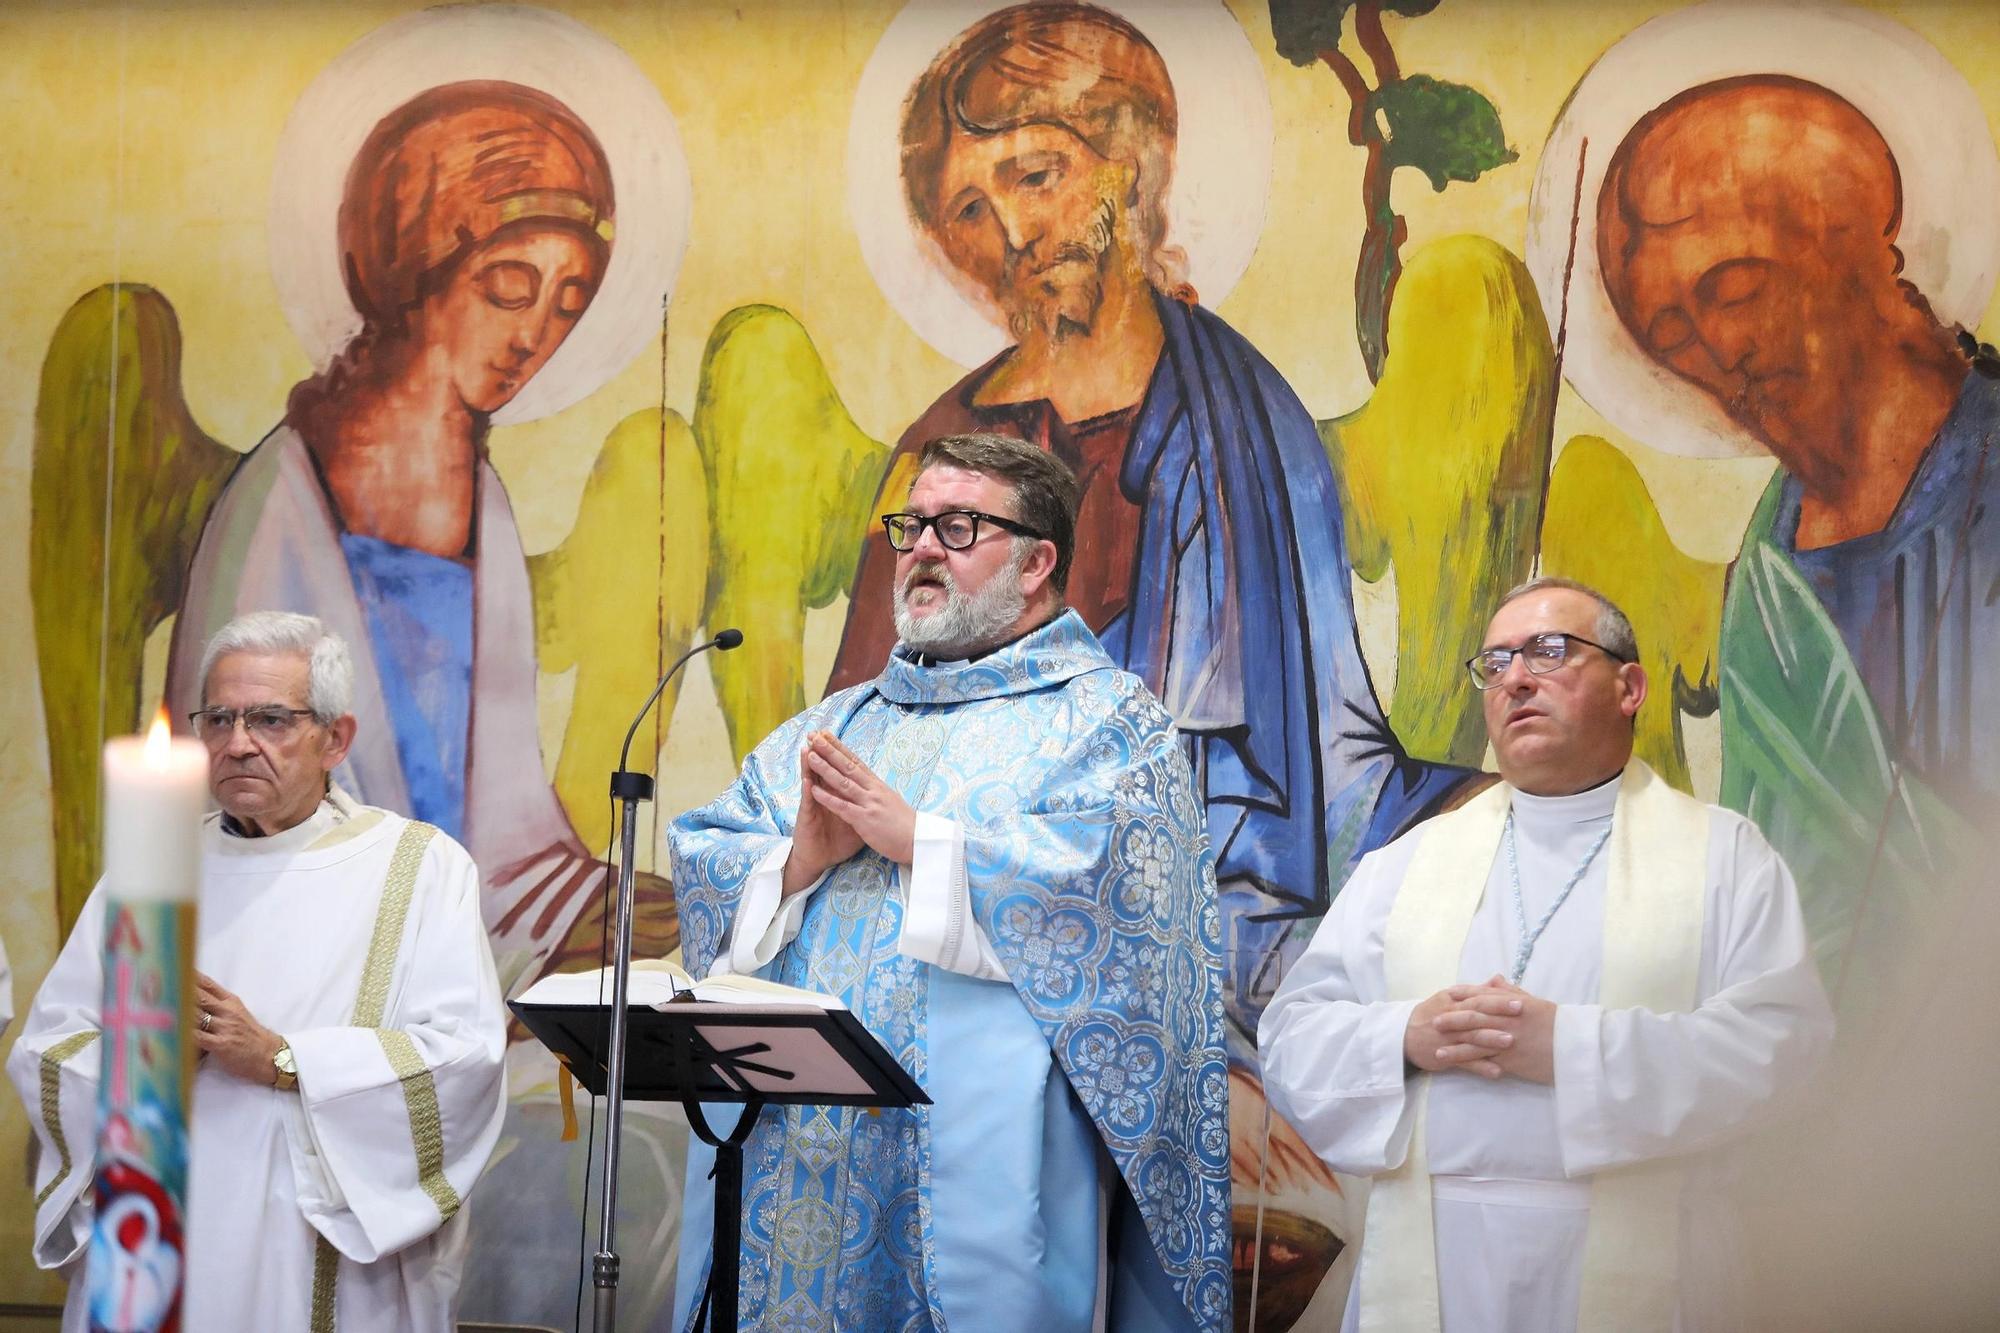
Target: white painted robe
[(1511, 1160), (391, 1123), (272, 543)]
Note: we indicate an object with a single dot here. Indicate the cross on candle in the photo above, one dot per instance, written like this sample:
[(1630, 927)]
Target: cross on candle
[(121, 1019)]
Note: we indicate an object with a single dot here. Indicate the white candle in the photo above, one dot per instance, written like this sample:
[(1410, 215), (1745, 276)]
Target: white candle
[(155, 793)]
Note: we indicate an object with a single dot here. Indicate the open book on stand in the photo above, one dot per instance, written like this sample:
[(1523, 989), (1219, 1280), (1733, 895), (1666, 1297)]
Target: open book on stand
[(723, 1039), (655, 982)]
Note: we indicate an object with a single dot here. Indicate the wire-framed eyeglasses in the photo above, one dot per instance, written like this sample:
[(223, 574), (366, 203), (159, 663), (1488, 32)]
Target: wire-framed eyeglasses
[(1542, 654), (956, 529), (267, 722)]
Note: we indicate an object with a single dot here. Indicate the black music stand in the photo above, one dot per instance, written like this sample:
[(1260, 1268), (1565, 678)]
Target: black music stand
[(753, 1055)]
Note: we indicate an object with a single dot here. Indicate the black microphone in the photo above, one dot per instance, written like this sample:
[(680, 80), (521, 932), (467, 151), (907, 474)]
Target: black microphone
[(727, 639)]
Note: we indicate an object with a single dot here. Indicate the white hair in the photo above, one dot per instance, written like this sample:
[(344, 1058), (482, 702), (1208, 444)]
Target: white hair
[(330, 669)]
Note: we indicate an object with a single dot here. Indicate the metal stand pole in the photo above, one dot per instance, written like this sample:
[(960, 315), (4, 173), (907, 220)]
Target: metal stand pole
[(629, 789)]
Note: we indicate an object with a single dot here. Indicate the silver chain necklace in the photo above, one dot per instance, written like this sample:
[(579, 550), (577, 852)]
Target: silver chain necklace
[(1526, 948)]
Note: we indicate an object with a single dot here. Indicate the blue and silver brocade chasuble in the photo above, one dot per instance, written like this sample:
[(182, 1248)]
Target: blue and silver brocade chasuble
[(1090, 874)]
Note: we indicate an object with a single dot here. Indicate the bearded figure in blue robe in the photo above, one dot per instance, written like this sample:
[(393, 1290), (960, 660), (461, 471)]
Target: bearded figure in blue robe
[(994, 855), (1038, 154)]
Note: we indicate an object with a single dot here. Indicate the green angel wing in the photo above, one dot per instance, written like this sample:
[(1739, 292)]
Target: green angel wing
[(646, 500), (791, 480), (1603, 529), (1442, 473), (122, 479)]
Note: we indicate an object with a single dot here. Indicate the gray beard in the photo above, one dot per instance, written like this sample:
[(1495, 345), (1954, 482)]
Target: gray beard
[(964, 624), (1070, 307)]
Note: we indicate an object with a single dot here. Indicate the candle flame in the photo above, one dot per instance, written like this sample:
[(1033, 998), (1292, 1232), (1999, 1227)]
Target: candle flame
[(158, 738)]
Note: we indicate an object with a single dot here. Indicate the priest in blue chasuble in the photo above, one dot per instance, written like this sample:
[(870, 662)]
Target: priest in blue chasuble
[(994, 854)]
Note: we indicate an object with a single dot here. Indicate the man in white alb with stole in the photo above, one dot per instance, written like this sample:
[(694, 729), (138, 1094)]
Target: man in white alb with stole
[(1527, 1019), (350, 1029)]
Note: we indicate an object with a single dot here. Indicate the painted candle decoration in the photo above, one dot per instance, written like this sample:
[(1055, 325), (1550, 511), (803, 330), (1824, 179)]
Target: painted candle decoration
[(155, 791)]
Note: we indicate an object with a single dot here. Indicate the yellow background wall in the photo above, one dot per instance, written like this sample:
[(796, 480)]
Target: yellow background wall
[(139, 142)]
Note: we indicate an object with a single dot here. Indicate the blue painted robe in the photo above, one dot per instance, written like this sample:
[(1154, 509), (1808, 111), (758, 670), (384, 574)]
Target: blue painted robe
[(1240, 617), (1090, 875), (419, 610)]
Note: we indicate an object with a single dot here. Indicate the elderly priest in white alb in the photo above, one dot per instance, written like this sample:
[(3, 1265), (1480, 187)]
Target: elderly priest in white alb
[(351, 1029), (1529, 1019)]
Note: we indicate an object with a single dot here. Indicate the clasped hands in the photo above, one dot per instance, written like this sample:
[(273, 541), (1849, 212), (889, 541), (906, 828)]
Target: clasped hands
[(842, 806), (1494, 1029)]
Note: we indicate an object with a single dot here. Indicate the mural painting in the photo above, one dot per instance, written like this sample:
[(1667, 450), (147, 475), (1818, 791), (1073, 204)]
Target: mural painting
[(1721, 294)]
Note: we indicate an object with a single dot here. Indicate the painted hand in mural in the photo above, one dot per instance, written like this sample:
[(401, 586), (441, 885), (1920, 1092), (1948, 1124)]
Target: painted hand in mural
[(874, 810), (230, 1034)]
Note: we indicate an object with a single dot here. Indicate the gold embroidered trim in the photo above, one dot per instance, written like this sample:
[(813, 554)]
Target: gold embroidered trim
[(326, 1270), (389, 918), (426, 1125), (52, 1063), (369, 1004)]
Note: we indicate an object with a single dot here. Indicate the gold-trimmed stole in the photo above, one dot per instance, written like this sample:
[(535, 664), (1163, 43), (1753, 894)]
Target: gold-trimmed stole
[(370, 1003), (1655, 902)]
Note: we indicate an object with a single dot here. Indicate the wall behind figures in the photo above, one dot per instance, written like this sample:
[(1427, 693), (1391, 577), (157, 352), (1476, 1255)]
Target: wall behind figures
[(1361, 368)]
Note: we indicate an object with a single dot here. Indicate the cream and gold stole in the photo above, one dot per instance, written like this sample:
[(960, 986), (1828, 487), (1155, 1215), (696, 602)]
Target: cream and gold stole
[(1654, 907)]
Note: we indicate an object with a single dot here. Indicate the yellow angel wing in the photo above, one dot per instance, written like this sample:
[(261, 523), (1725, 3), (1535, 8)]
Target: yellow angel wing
[(1442, 473), (646, 500), (791, 483), (122, 479), (1603, 529)]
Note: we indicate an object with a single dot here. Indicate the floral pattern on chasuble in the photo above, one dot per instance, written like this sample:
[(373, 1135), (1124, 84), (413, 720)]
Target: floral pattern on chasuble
[(1089, 870)]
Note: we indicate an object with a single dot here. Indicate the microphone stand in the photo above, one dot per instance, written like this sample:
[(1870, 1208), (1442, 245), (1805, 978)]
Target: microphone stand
[(629, 790)]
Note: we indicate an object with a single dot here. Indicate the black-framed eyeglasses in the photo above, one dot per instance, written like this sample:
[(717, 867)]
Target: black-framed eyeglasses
[(956, 529), (1543, 653), (266, 722)]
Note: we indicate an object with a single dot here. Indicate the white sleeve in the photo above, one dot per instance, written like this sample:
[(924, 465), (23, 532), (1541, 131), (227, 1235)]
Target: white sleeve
[(54, 1067), (1632, 1085), (392, 1126), (1330, 1047), (6, 991), (766, 920), (938, 924)]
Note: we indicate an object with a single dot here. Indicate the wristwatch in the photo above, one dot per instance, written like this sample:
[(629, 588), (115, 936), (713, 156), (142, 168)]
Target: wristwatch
[(287, 1069)]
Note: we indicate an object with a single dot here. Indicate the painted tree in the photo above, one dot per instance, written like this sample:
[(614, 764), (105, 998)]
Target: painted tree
[(1447, 131)]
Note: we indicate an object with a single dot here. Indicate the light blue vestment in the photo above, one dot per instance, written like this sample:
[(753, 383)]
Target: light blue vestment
[(1089, 872)]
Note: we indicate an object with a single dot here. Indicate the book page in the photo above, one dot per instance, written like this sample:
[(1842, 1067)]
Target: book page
[(731, 989), (654, 982)]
